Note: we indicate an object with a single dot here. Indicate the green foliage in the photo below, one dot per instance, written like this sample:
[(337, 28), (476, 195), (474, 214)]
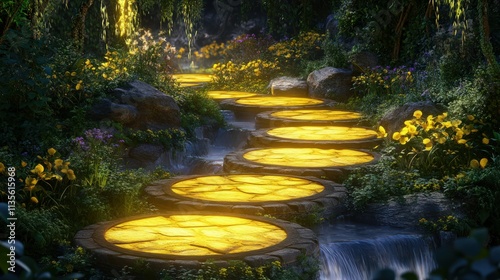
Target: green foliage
[(480, 188), (168, 138), (380, 182), (241, 270), (448, 223)]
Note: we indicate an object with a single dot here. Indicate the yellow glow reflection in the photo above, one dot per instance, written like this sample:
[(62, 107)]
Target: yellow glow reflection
[(194, 235), (223, 94), (187, 80), (308, 157), (326, 133), (272, 101), (321, 115), (246, 188)]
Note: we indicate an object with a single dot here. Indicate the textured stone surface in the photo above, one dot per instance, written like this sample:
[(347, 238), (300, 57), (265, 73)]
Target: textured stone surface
[(320, 163), (315, 137), (247, 108), (277, 195), (407, 212), (329, 82), (309, 117), (163, 240), (138, 105), (288, 86)]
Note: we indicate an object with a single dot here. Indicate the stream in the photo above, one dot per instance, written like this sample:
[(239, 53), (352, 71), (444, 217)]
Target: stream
[(349, 250)]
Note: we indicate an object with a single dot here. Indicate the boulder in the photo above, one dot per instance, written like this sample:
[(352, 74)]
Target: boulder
[(332, 83), (394, 120), (406, 212), (288, 86), (139, 106)]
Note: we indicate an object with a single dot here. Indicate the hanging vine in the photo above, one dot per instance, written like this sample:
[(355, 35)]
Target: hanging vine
[(191, 13)]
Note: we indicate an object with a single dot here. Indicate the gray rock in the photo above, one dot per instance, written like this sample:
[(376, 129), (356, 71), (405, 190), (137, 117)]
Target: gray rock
[(332, 83), (139, 106), (145, 154), (288, 86), (407, 212), (394, 120)]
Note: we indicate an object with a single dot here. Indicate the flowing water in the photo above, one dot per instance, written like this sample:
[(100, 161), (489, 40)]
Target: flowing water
[(349, 251)]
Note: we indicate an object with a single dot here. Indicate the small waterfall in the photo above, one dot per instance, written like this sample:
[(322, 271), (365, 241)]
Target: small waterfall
[(361, 259)]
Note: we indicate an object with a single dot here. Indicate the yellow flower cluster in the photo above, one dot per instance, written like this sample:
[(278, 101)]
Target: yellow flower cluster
[(250, 70), (436, 129), (46, 171), (299, 47), (213, 50), (384, 80)]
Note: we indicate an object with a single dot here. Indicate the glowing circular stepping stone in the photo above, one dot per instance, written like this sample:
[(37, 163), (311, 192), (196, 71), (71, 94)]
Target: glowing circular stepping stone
[(190, 80), (328, 163), (246, 193), (189, 239), (219, 95), (307, 117), (315, 136), (248, 107)]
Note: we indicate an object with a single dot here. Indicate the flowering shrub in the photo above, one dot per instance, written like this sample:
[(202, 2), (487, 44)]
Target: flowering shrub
[(448, 223), (437, 144), (250, 76), (96, 154), (382, 81), (290, 52)]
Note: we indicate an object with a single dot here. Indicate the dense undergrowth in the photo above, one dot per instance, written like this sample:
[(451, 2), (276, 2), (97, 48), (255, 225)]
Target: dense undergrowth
[(68, 168)]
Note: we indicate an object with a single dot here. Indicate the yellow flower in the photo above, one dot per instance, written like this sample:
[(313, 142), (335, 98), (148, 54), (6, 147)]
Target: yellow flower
[(396, 136), (470, 117), (2, 168), (428, 144), (73, 74), (71, 174), (51, 151), (483, 162), (38, 169), (462, 141), (23, 163), (417, 114), (474, 163), (403, 140), (486, 141), (58, 163), (30, 182), (34, 200), (381, 132), (412, 130), (404, 131)]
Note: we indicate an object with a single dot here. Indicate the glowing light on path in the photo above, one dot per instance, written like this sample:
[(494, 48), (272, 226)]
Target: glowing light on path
[(320, 115), (223, 94), (308, 157), (323, 133), (247, 188), (187, 80), (194, 235), (273, 101)]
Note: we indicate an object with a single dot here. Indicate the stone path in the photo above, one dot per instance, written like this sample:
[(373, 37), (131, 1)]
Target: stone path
[(207, 217)]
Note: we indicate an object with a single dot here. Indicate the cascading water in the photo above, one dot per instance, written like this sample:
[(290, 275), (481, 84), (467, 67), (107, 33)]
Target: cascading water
[(369, 249)]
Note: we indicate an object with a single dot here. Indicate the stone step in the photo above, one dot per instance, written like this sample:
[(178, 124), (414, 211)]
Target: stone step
[(301, 117)]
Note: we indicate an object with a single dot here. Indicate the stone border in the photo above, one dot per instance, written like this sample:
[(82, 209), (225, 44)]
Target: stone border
[(234, 162), (300, 241), (330, 200), (266, 120), (260, 138), (248, 112)]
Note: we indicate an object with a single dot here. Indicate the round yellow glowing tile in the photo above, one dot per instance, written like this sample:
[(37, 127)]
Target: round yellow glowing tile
[(323, 133), (194, 235), (187, 80), (308, 157), (246, 188), (273, 101), (223, 94), (320, 115)]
